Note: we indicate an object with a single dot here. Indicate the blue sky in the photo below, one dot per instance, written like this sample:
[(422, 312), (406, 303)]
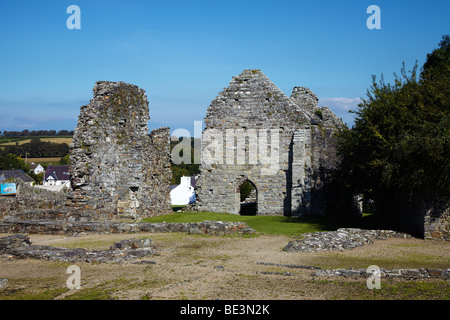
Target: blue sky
[(183, 53)]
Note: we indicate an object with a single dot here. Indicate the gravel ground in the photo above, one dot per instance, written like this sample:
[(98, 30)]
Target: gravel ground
[(207, 268)]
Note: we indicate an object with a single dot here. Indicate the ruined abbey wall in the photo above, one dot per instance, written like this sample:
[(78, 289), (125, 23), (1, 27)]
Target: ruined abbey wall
[(287, 143), (117, 167)]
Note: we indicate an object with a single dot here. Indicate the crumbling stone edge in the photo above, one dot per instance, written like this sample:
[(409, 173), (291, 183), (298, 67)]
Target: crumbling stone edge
[(215, 228), (362, 273), (340, 240), (385, 273), (19, 246)]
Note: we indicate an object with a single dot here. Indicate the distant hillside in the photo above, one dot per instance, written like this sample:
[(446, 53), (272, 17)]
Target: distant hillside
[(66, 140), (36, 148)]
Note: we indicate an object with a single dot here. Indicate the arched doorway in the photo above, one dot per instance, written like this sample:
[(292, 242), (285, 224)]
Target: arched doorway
[(247, 197)]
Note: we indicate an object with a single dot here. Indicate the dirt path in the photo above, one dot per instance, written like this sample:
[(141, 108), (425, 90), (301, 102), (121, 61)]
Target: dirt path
[(208, 268)]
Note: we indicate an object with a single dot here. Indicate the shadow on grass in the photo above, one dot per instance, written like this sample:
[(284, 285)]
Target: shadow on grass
[(281, 225), (331, 223), (176, 208)]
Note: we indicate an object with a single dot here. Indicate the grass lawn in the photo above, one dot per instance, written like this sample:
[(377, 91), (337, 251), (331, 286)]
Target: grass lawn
[(264, 224)]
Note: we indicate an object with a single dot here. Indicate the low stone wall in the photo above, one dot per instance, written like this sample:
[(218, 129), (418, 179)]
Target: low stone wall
[(385, 273), (23, 208), (216, 228), (341, 239), (11, 207), (362, 273), (20, 247), (10, 242), (56, 214), (25, 191)]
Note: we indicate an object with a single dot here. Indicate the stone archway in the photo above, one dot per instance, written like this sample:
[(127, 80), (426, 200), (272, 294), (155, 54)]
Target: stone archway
[(246, 197)]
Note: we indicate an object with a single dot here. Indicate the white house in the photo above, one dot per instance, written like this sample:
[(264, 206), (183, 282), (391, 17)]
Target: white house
[(183, 194), (36, 168), (57, 176)]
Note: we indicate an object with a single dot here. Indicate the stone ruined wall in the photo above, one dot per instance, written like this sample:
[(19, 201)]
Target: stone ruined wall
[(254, 107), (117, 167), (30, 201), (12, 207), (426, 219), (437, 220), (251, 102), (155, 188), (214, 228), (323, 158), (25, 192)]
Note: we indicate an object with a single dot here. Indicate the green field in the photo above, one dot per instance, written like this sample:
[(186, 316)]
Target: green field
[(11, 142)]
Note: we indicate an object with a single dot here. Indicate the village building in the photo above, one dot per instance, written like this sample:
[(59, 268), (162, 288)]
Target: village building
[(15, 176), (36, 168), (184, 193), (57, 176)]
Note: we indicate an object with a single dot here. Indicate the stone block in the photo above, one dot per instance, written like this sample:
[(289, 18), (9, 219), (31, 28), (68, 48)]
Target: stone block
[(436, 272), (3, 283)]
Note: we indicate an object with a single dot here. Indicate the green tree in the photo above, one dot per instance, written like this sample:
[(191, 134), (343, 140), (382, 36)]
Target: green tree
[(13, 162), (65, 160), (177, 173), (37, 149), (245, 190), (35, 141), (37, 177), (399, 147)]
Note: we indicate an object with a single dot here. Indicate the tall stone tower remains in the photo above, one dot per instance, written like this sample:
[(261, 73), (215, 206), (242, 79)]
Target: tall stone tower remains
[(117, 167), (282, 146)]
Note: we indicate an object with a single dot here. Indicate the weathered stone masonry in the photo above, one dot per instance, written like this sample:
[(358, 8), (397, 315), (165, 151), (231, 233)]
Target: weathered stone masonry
[(117, 167), (251, 105), (121, 170)]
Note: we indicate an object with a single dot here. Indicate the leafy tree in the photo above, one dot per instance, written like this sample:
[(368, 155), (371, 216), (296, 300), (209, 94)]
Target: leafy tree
[(13, 162), (26, 133), (63, 133), (35, 140), (245, 190), (65, 160), (37, 177), (177, 173), (399, 147), (37, 149)]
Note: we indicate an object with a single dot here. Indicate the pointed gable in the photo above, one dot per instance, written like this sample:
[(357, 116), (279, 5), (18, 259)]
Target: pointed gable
[(252, 98)]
